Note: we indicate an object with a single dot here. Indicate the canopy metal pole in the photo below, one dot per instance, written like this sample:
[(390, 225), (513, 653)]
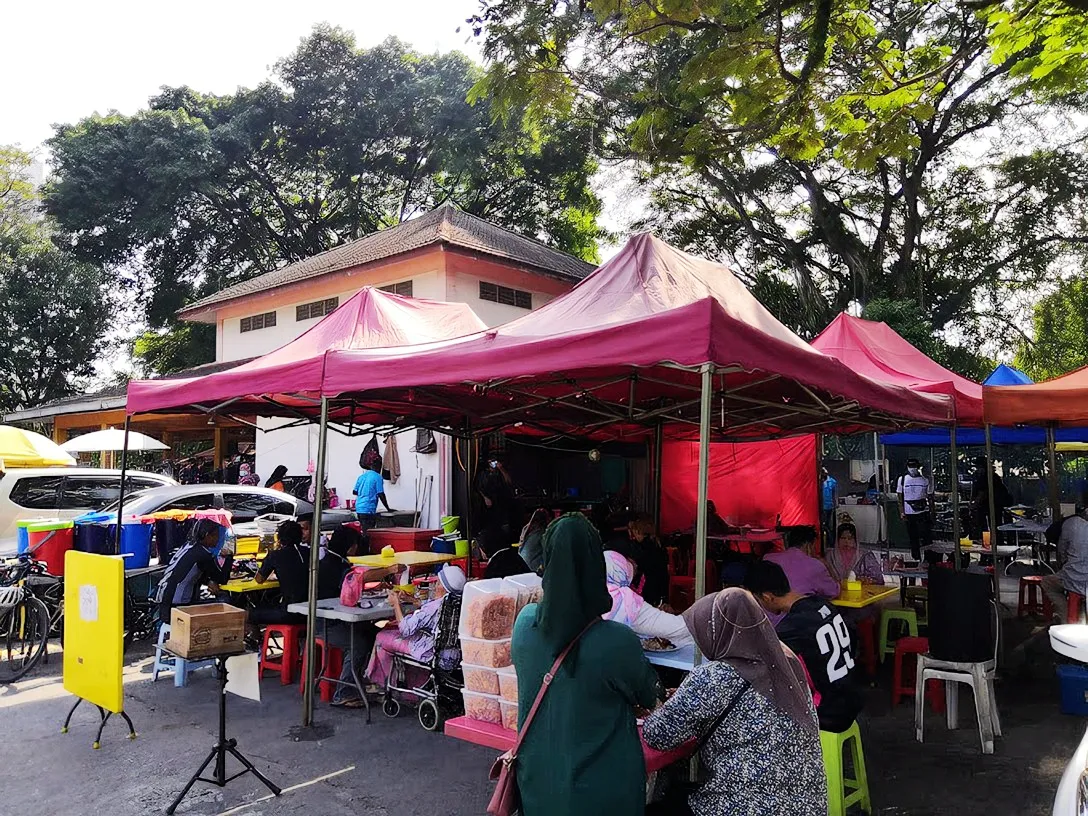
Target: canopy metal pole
[(990, 487), (1054, 489), (704, 479), (659, 445), (470, 493), (955, 499), (315, 558), (121, 494), (879, 492)]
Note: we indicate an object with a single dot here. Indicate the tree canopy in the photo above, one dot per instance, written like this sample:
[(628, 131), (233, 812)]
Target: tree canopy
[(1059, 342), (837, 151), (198, 191), (55, 307)]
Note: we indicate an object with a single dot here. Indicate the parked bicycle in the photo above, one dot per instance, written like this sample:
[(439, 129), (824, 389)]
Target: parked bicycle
[(24, 625)]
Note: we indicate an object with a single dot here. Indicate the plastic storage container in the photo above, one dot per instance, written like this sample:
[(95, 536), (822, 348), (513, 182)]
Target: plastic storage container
[(1074, 689), (401, 539), (170, 533), (481, 678), (22, 539), (529, 588), (49, 540), (487, 653), (488, 608), (508, 684), (136, 542), (509, 714), (482, 707), (96, 537), (450, 524)]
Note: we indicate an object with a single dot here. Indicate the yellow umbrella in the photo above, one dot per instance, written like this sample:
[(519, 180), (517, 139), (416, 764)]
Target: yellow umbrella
[(22, 448)]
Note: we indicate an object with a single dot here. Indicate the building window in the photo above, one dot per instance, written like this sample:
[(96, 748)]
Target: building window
[(404, 288), (505, 295), (261, 321), (319, 308)]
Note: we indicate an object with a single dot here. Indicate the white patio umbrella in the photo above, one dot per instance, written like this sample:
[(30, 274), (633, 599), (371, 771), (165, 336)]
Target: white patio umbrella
[(112, 439)]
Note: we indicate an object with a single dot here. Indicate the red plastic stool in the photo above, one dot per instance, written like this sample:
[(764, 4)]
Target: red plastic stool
[(290, 635), (1073, 606), (1033, 601), (867, 651), (331, 663), (905, 646)]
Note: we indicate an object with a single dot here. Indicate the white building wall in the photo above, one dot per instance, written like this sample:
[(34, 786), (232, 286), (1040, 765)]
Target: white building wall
[(296, 447), (461, 288), (238, 345)]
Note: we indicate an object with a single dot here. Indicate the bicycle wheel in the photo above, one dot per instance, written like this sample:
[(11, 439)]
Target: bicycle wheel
[(24, 630)]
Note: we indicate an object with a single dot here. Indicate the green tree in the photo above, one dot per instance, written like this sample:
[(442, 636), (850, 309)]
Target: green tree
[(54, 306), (198, 192), (897, 157), (1060, 333)]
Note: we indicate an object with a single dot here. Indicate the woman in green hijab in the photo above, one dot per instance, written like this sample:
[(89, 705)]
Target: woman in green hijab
[(581, 753)]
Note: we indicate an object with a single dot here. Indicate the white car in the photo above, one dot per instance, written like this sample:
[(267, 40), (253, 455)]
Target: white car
[(64, 493)]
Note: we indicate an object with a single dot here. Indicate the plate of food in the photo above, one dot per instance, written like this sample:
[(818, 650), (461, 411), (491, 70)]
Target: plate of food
[(659, 644)]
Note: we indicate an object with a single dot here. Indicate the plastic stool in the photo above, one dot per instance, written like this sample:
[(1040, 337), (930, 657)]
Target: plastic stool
[(842, 792), (867, 647), (287, 661), (1073, 606), (915, 596), (913, 646), (1033, 601), (178, 665), (907, 616), (331, 663)]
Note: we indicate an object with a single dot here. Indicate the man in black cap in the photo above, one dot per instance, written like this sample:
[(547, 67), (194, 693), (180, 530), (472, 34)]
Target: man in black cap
[(915, 493)]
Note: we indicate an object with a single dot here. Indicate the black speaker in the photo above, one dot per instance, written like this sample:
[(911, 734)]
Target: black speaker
[(961, 616)]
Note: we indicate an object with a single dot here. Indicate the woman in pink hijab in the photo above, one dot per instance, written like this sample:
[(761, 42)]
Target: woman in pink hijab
[(629, 608)]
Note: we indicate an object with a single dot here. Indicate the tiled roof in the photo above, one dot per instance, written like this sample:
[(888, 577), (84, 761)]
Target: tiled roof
[(108, 398), (444, 225)]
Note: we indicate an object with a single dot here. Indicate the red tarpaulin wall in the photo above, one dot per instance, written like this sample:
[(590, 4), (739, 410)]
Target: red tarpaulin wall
[(750, 482)]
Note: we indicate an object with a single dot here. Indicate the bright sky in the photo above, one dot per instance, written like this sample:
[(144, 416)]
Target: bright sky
[(69, 58)]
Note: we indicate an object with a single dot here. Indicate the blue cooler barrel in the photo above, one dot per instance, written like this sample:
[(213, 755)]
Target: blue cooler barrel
[(136, 544)]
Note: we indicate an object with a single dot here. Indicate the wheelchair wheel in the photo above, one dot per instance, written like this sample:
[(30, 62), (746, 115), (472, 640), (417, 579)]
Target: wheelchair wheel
[(391, 707), (429, 717)]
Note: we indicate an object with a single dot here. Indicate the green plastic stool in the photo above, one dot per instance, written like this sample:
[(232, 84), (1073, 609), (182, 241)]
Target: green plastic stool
[(919, 597), (842, 793), (907, 616)]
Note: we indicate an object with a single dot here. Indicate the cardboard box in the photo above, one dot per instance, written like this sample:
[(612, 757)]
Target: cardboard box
[(204, 630)]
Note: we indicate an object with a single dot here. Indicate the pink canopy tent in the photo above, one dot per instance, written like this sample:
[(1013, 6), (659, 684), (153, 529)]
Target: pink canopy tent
[(287, 381), (623, 353), (878, 352)]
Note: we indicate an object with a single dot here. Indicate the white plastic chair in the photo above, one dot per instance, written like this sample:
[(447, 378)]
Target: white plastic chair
[(979, 676)]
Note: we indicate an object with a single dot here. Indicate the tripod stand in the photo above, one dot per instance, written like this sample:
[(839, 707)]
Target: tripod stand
[(221, 748)]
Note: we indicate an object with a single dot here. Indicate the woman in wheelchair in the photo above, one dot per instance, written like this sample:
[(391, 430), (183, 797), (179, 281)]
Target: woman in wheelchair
[(413, 636)]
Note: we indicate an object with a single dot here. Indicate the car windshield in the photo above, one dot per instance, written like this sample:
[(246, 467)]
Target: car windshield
[(131, 501)]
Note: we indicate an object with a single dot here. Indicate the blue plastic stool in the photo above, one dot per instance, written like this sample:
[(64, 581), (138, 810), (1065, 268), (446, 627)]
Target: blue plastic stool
[(178, 665)]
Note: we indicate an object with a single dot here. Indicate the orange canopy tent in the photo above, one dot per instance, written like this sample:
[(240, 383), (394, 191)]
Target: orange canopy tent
[(1061, 402)]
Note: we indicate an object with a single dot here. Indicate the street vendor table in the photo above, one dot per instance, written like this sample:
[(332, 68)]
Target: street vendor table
[(1035, 529), (330, 609), (866, 596), (759, 542), (252, 592), (682, 658), (406, 558)]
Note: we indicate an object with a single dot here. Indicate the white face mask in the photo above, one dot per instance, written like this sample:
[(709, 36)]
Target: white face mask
[(914, 471), (494, 464)]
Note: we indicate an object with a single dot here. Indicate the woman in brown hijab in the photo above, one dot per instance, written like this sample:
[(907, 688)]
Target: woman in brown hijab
[(764, 756)]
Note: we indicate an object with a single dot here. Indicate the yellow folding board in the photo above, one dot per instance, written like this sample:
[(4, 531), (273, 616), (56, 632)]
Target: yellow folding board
[(94, 610)]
